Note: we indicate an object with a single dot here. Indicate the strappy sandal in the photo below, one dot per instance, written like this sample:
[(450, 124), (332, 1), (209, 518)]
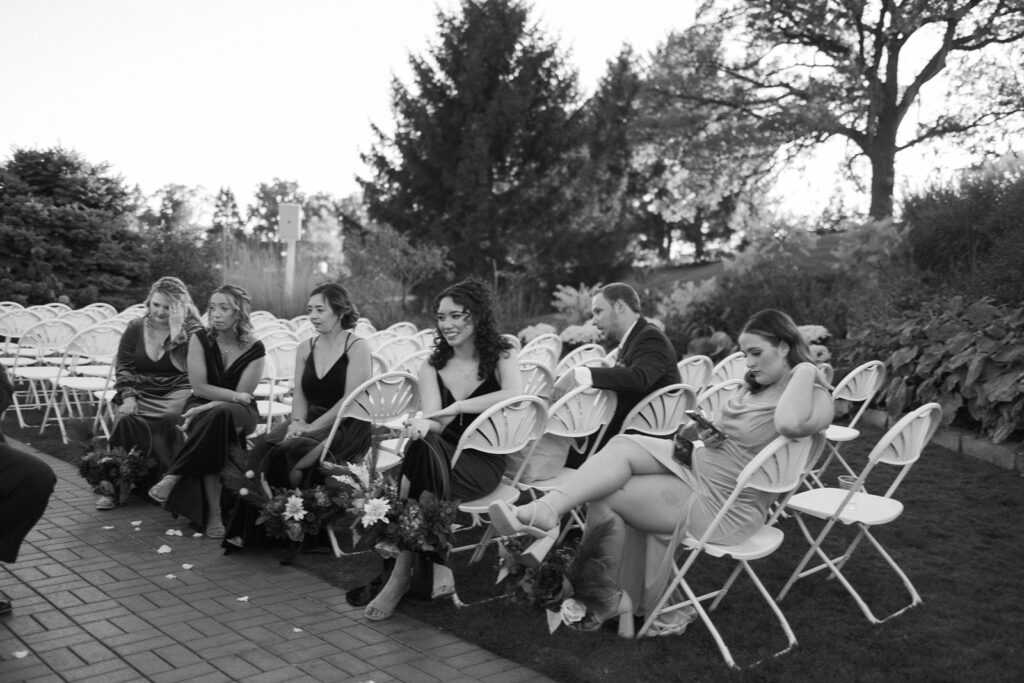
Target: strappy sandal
[(503, 517)]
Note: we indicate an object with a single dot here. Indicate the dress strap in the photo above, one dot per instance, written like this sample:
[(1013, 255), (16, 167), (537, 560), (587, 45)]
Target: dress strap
[(352, 339)]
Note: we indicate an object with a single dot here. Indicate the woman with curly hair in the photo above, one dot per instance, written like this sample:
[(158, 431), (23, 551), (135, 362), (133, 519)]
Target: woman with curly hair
[(472, 368), (151, 381), (225, 363)]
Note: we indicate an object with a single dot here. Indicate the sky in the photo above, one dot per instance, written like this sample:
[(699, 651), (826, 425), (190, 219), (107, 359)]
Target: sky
[(233, 93)]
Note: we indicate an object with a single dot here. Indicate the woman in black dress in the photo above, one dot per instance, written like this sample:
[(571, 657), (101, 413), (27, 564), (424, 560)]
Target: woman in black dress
[(151, 380), (225, 363), (472, 368), (327, 368)]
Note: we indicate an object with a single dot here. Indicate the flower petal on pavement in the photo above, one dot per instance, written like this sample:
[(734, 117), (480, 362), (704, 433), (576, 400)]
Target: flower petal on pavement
[(164, 549)]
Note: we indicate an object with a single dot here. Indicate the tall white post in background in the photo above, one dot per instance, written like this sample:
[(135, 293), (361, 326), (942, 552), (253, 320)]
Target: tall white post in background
[(289, 223)]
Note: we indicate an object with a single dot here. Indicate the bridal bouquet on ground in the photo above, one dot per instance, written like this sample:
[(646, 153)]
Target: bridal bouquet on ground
[(383, 521), (572, 584), (110, 471)]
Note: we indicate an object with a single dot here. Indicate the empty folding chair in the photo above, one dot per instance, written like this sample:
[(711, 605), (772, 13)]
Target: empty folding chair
[(397, 349), (539, 354), (860, 385), (900, 447), (661, 412), (538, 380), (552, 341), (107, 310), (13, 323), (46, 338), (580, 355), (404, 329), (694, 371), (733, 366), (413, 362), (776, 469)]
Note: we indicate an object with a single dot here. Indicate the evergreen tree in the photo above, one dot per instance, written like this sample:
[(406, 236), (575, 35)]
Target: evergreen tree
[(483, 147), (64, 230)]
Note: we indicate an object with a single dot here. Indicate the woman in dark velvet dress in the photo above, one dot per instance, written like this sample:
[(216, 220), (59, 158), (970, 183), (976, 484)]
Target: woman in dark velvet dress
[(472, 368), (151, 378), (225, 364), (327, 368)]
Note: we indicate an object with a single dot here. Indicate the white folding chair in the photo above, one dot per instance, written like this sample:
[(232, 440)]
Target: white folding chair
[(397, 349), (550, 340), (378, 338), (583, 415), (777, 469), (860, 384), (512, 339), (46, 338), (566, 381), (404, 328), (900, 446), (413, 361), (299, 322), (9, 306), (539, 354), (711, 400), (538, 380), (279, 385), (427, 337), (378, 400), (273, 335), (578, 356), (733, 366), (105, 309), (695, 371), (13, 324), (93, 349), (661, 412), (82, 318), (364, 328), (506, 427), (272, 407)]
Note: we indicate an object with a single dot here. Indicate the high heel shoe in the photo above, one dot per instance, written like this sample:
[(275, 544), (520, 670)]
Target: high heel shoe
[(621, 608), (503, 517)]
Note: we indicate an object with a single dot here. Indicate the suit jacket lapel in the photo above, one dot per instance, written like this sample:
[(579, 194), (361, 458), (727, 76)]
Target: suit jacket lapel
[(624, 351)]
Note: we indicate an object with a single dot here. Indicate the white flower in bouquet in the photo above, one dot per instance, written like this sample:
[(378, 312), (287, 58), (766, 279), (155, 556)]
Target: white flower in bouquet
[(572, 611), (249, 474), (374, 510), (361, 473), (293, 509), (243, 492), (820, 353), (346, 480)]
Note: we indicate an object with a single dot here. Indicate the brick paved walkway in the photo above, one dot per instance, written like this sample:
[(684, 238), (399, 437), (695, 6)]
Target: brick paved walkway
[(95, 600)]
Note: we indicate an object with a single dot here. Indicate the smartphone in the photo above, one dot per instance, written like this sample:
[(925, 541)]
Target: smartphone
[(704, 422)]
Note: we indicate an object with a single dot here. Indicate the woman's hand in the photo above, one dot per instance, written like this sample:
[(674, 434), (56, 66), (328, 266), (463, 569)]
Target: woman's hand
[(416, 428), (242, 397), (176, 319), (296, 428), (192, 413), (711, 438), (129, 406)]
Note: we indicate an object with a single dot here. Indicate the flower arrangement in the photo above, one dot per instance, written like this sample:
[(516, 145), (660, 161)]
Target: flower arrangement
[(816, 337), (580, 334), (110, 471), (383, 521), (528, 334), (572, 584)]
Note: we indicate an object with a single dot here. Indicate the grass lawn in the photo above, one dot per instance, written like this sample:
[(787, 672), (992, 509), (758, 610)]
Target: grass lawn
[(959, 540)]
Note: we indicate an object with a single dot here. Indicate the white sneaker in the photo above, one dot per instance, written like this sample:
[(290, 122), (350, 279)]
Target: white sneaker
[(105, 503)]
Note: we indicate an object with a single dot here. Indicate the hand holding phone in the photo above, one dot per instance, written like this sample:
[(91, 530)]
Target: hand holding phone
[(704, 423)]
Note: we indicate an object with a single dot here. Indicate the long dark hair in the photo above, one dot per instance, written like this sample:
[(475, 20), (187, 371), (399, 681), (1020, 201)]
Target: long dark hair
[(777, 327), (475, 296), (242, 304), (340, 301)]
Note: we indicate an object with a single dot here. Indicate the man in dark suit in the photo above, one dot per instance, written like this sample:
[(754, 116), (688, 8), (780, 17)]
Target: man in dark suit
[(646, 360), (25, 487)]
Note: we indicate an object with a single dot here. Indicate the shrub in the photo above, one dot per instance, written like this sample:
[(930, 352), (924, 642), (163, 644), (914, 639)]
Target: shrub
[(574, 304), (967, 358)]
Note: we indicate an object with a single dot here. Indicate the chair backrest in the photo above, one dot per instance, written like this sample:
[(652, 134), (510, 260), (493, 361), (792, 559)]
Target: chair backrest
[(567, 380), (404, 328), (378, 366), (778, 468), (45, 337), (505, 427), (379, 399), (266, 325), (364, 328), (613, 356), (106, 309), (538, 380), (15, 321), (695, 371), (539, 354), (584, 411), (298, 322), (413, 361), (98, 342), (861, 384), (80, 318), (512, 339), (305, 332), (711, 400), (427, 337), (397, 349), (9, 306), (134, 311), (550, 340), (45, 311), (579, 355), (733, 366), (378, 338), (57, 306), (282, 354), (259, 316), (903, 443), (271, 336), (661, 412)]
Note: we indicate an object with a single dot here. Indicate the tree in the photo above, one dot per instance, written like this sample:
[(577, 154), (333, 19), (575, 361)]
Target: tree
[(64, 230), (263, 214), (175, 240), (482, 146), (825, 68), (701, 167)]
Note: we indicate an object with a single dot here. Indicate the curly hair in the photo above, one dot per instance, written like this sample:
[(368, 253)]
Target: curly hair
[(175, 290), (338, 300), (242, 305), (475, 296), (777, 327)]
